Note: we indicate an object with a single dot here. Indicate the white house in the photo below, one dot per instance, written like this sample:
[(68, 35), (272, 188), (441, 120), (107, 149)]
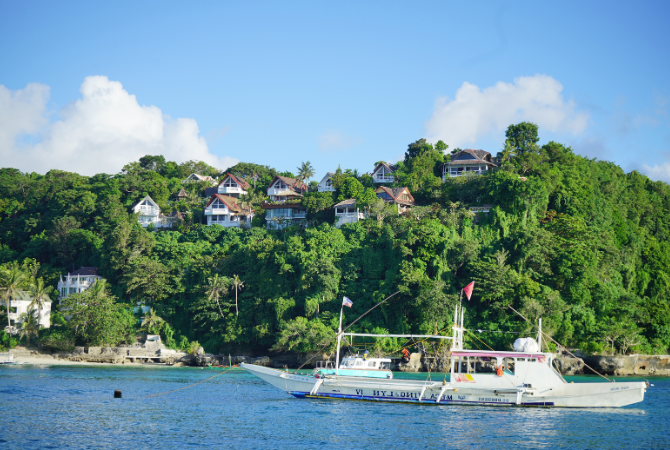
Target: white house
[(77, 282), (326, 183), (284, 207), (383, 173), (18, 307), (232, 186), (396, 196), (194, 178), (150, 213), (467, 161), (347, 212), (226, 211)]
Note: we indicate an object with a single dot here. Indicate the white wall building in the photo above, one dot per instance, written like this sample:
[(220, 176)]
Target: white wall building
[(383, 173), (194, 178), (284, 207), (77, 281), (326, 183), (226, 211), (467, 161), (232, 186), (347, 212), (150, 213), (18, 307)]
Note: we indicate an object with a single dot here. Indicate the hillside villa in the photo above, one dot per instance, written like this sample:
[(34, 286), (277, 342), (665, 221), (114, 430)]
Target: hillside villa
[(401, 197), (467, 161), (383, 173), (226, 211), (284, 208)]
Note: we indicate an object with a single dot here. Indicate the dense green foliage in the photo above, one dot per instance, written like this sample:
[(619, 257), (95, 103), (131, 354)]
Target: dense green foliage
[(573, 240)]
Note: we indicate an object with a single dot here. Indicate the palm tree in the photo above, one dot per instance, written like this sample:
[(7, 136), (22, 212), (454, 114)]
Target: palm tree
[(250, 199), (151, 320), (217, 286), (30, 324), (12, 281), (99, 289), (305, 171), (39, 293), (237, 284)]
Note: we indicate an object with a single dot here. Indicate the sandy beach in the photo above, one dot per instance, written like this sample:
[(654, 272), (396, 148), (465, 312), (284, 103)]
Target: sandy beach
[(51, 361)]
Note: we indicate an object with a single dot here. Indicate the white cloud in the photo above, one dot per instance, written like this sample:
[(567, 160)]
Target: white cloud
[(659, 172), (475, 113), (21, 112), (336, 140), (101, 132)]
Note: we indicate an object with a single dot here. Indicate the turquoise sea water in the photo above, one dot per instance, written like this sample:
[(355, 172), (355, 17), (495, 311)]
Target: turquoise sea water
[(73, 407)]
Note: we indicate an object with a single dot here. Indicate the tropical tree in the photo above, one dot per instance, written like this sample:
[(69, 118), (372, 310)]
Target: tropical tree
[(40, 294), (96, 319), (13, 280), (151, 321), (30, 325), (237, 284), (216, 288), (305, 171)]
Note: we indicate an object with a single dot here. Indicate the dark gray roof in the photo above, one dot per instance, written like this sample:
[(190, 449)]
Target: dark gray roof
[(346, 203), (479, 157), (90, 271)]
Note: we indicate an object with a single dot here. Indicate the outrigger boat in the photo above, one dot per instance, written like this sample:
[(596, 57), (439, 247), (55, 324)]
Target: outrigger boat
[(497, 378)]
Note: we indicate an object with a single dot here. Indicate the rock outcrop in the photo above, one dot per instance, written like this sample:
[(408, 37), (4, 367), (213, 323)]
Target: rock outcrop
[(570, 366), (632, 365)]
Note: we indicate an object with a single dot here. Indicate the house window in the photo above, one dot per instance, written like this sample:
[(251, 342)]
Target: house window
[(280, 212), (229, 183), (384, 196), (280, 185), (218, 204)]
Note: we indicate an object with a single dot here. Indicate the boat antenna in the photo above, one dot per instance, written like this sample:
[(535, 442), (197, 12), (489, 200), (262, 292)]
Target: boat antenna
[(339, 334), (554, 341)]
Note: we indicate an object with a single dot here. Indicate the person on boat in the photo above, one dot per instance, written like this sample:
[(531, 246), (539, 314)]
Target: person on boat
[(405, 355), (366, 354)]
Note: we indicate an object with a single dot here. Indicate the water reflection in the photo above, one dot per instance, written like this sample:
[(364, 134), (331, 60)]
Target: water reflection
[(71, 406)]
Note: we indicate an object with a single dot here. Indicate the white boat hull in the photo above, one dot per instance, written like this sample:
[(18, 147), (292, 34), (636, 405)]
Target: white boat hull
[(581, 395)]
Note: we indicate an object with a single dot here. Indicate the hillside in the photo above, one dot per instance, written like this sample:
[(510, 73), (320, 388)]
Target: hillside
[(575, 241)]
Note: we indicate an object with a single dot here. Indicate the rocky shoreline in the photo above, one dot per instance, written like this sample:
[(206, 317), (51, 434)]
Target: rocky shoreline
[(156, 353)]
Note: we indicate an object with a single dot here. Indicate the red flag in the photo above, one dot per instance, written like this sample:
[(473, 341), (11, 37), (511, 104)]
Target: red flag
[(468, 289)]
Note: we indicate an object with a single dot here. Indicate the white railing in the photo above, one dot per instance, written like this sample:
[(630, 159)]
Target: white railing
[(216, 211), (231, 190), (384, 179), (148, 210)]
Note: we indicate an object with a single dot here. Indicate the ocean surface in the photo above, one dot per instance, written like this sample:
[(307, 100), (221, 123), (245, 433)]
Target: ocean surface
[(43, 407)]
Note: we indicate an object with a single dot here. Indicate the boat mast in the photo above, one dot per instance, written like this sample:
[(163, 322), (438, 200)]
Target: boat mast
[(539, 334), (339, 338)]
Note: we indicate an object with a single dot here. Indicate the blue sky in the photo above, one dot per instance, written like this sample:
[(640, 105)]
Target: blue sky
[(89, 86)]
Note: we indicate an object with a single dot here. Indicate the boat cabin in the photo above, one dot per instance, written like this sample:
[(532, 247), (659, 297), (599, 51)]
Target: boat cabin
[(503, 370), (357, 366)]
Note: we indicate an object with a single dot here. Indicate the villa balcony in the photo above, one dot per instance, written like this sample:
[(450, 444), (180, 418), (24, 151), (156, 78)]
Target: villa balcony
[(216, 211), (232, 191), (148, 211), (383, 179)]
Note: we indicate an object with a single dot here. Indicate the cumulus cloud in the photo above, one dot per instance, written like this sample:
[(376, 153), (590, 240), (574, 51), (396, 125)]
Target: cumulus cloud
[(336, 140), (475, 113), (659, 172), (100, 132), (22, 112)]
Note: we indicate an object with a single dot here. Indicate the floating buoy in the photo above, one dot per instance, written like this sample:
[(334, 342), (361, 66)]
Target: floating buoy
[(117, 393)]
